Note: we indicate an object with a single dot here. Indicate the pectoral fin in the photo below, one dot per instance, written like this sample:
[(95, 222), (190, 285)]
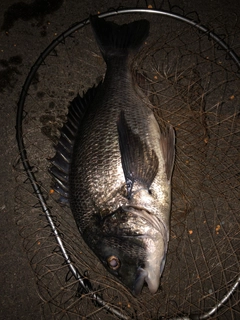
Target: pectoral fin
[(139, 162)]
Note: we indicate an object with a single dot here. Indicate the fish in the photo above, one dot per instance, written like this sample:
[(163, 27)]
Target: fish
[(114, 162)]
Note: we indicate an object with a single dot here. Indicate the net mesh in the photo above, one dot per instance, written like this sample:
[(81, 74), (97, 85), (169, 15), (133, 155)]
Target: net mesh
[(194, 87)]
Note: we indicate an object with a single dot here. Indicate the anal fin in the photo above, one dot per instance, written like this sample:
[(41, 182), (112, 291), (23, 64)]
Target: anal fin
[(167, 145)]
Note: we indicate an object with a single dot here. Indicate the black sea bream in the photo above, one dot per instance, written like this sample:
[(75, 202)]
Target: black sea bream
[(114, 165)]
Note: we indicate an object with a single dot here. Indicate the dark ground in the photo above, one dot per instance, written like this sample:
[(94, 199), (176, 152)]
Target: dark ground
[(26, 29)]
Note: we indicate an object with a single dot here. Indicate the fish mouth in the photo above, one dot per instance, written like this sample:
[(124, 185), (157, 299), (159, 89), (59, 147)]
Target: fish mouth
[(151, 278), (142, 276)]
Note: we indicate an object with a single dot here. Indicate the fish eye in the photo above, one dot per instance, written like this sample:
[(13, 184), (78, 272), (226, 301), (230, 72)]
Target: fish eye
[(113, 262)]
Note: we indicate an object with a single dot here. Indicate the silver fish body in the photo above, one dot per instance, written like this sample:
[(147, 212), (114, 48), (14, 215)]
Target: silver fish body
[(119, 179)]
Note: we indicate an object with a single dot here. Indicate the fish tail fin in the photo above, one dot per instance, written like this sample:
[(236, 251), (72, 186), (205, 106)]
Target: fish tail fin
[(119, 40)]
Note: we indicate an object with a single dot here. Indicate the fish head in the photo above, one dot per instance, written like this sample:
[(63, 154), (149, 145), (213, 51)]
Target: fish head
[(132, 246)]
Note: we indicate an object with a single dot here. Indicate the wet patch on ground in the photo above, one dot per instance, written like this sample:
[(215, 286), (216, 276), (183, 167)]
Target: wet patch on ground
[(51, 125), (9, 71), (38, 9)]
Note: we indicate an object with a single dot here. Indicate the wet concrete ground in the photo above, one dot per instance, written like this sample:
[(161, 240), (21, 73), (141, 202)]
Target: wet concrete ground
[(26, 29)]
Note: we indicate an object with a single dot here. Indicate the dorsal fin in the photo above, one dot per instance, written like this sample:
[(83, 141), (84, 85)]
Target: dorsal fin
[(61, 161)]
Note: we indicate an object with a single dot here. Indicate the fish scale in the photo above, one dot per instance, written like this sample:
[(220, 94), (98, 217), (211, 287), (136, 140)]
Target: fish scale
[(104, 137)]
